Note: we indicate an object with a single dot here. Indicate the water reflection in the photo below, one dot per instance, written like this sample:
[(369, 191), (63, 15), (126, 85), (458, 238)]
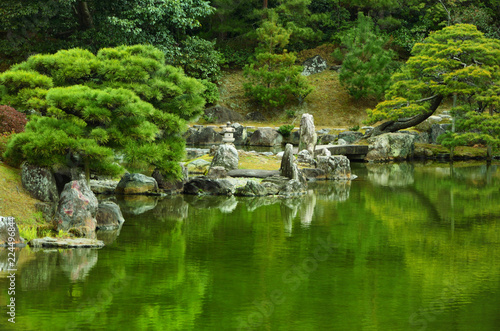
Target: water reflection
[(390, 174)]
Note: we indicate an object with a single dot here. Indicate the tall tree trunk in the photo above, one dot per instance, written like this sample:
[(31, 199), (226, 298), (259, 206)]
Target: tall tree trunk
[(401, 124), (265, 4), (84, 16)]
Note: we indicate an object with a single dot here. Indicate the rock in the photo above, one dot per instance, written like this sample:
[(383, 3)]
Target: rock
[(226, 157), (390, 147), (48, 210), (255, 117), (350, 136), (323, 132), (77, 210), (293, 138), (199, 166), (240, 134), (336, 167), (271, 188), (305, 157), (217, 172), (202, 136), (8, 230), (265, 137), (437, 130), (288, 166), (314, 65), (253, 173), (103, 186), (341, 142), (327, 139), (292, 187), (391, 174), (336, 67), (170, 185), (251, 189), (137, 184), (39, 182), (220, 114), (194, 153), (314, 173), (204, 185), (428, 123), (109, 216), (48, 242), (325, 152), (280, 154), (308, 136), (280, 185)]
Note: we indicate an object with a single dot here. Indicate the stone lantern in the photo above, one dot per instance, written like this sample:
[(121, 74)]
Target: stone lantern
[(228, 132)]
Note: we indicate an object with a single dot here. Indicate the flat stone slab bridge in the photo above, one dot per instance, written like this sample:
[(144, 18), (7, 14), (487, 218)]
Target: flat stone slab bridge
[(353, 152)]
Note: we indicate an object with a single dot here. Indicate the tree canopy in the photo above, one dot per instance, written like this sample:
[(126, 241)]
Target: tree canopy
[(457, 60), (90, 107)]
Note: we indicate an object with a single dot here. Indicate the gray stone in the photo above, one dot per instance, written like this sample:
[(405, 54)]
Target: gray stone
[(217, 172), (350, 136), (137, 184), (336, 167), (314, 173), (428, 123), (327, 139), (226, 157), (251, 189), (308, 136), (194, 153), (240, 134), (170, 185), (437, 130), (292, 187), (103, 186), (341, 142), (325, 152), (253, 173), (314, 65), (288, 166), (390, 147), (77, 210), (323, 131), (293, 138), (39, 182), (109, 216), (305, 157), (8, 230), (48, 242), (48, 210), (265, 137), (221, 114), (203, 136), (203, 185)]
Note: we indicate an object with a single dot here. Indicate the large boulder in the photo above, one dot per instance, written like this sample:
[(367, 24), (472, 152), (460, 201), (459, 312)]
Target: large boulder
[(288, 166), (137, 184), (284, 186), (336, 167), (308, 136), (220, 114), (265, 137), (39, 182), (109, 216), (170, 185), (9, 233), (206, 186), (77, 209), (437, 130), (226, 156), (199, 166), (202, 136), (428, 123), (240, 134), (391, 147), (350, 136), (251, 189), (314, 65)]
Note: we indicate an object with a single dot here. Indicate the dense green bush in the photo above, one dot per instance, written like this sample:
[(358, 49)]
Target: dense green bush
[(90, 107)]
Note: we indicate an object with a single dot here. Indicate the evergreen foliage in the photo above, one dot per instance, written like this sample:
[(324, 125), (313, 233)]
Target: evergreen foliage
[(89, 107), (367, 66), (274, 79), (457, 60)]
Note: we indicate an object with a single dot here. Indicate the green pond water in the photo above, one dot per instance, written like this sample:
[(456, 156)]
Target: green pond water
[(403, 247)]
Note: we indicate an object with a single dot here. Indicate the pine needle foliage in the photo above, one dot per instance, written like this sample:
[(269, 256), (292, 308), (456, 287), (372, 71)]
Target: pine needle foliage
[(90, 107), (273, 78)]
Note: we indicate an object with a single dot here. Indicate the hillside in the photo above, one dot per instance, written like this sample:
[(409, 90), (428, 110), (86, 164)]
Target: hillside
[(329, 103)]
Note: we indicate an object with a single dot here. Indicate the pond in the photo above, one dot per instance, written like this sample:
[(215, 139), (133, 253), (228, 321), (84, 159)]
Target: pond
[(403, 247)]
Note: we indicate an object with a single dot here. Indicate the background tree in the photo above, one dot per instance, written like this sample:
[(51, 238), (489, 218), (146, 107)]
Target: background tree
[(274, 79), (89, 107), (456, 60), (366, 66)]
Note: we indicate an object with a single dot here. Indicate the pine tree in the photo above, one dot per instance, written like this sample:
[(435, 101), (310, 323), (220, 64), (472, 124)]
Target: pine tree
[(367, 66), (274, 79), (87, 108)]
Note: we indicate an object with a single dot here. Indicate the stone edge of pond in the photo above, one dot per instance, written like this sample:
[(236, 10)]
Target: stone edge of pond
[(49, 242)]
